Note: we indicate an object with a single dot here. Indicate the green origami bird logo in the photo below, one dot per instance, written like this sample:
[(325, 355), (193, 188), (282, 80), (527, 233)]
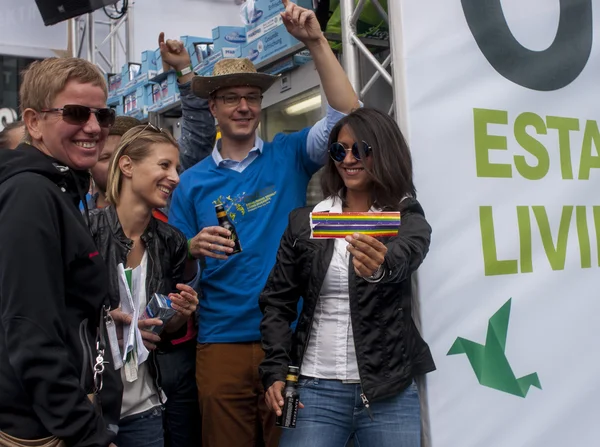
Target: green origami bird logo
[(490, 363)]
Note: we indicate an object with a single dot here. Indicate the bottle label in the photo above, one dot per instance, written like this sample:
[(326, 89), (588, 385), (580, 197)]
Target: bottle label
[(289, 412), (221, 214)]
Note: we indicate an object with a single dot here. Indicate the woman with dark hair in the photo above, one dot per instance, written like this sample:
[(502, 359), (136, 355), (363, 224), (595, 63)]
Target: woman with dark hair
[(141, 176), (355, 342)]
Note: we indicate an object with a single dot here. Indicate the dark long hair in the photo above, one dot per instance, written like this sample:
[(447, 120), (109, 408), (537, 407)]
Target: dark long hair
[(391, 172)]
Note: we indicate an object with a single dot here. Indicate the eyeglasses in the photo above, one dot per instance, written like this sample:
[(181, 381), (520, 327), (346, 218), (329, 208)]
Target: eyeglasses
[(337, 151), (234, 100), (79, 115)]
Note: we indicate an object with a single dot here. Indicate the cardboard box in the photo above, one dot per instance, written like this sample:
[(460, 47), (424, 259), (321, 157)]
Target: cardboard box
[(153, 96), (302, 58), (114, 83), (119, 107), (280, 66), (227, 37), (129, 72), (135, 103), (169, 91), (158, 59), (199, 48), (149, 64), (263, 10), (267, 40), (206, 68)]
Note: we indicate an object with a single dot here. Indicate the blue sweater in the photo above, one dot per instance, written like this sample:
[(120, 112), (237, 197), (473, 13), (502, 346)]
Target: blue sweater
[(258, 201)]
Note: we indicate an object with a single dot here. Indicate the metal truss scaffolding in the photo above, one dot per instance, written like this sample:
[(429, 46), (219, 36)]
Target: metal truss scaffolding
[(99, 37), (390, 69)]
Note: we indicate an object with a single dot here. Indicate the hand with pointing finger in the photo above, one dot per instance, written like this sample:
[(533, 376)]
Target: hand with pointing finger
[(173, 53), (301, 23)]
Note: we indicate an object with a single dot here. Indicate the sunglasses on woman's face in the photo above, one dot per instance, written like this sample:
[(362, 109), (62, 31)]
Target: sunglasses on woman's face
[(337, 151), (79, 115)]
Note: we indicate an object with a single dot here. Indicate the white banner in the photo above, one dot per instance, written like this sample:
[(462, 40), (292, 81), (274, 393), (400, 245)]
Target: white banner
[(504, 104)]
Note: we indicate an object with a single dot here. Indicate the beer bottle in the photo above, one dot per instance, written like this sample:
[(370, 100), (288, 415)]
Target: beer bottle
[(226, 223), (291, 399)]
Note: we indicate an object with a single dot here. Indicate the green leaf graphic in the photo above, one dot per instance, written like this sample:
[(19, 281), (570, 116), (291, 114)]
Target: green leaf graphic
[(490, 363)]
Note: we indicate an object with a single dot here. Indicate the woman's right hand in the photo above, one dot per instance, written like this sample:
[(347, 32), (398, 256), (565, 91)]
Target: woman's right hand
[(150, 338)]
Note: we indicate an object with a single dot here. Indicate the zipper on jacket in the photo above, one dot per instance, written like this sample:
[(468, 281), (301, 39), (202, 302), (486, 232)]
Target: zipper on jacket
[(310, 323), (363, 396), (88, 358)]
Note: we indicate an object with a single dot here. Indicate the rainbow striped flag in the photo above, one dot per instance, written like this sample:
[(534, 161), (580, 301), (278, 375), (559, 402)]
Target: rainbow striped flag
[(340, 225)]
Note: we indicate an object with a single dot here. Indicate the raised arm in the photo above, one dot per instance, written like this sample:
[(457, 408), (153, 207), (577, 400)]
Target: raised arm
[(198, 129), (341, 97), (304, 26)]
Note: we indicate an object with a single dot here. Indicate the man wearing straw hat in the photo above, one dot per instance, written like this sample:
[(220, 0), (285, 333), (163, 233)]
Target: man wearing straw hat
[(258, 183)]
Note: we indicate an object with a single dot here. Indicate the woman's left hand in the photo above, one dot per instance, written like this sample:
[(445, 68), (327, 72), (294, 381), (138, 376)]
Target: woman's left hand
[(186, 301), (368, 253)]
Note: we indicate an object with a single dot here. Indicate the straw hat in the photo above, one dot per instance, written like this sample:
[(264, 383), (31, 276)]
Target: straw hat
[(232, 72), (123, 124)]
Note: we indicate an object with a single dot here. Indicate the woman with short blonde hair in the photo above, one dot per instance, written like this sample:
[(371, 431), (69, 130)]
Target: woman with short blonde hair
[(53, 291)]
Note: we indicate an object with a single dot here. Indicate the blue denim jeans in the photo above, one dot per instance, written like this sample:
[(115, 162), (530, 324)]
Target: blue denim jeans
[(334, 414), (141, 430)]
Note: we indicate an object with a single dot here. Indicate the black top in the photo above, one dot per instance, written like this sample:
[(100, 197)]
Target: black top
[(389, 348), (53, 284)]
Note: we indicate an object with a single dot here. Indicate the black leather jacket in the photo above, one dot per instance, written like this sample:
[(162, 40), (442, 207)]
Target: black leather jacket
[(389, 348), (167, 253)]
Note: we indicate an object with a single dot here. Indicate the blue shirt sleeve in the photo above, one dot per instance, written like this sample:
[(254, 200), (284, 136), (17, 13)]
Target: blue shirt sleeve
[(316, 142), (198, 129), (182, 213)]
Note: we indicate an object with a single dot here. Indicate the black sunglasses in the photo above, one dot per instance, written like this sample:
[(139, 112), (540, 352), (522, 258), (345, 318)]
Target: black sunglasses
[(79, 115), (148, 126), (337, 151)]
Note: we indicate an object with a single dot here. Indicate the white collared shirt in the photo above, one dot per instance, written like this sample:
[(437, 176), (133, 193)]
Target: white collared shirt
[(234, 165), (330, 353)]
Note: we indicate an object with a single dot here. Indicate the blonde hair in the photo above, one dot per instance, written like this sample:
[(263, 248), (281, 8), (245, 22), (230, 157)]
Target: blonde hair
[(135, 144), (43, 81)]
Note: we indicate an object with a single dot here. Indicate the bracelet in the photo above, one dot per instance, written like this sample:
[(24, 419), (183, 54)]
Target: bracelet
[(189, 250), (377, 275), (185, 71)]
